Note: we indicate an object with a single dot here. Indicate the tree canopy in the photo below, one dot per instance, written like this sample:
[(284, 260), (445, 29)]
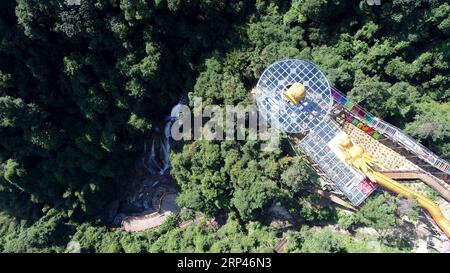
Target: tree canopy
[(83, 85)]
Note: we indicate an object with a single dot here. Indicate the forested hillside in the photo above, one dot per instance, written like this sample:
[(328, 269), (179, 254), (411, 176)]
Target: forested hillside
[(82, 86)]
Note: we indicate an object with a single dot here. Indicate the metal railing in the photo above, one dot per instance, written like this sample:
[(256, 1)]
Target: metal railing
[(393, 132)]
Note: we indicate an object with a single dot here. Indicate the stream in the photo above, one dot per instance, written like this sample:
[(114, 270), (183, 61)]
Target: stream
[(156, 159), (154, 177)]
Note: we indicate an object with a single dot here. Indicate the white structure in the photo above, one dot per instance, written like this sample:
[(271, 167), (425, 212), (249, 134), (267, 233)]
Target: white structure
[(310, 118)]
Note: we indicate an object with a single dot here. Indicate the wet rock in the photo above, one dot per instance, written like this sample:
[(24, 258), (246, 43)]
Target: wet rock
[(111, 211), (118, 219)]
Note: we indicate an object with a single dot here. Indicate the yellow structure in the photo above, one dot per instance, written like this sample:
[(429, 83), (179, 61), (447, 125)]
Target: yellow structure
[(389, 158), (295, 93), (359, 159)]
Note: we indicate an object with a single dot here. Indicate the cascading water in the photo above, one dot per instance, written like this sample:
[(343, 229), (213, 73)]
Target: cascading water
[(157, 161)]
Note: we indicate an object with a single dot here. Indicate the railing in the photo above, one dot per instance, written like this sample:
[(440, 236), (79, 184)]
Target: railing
[(393, 132)]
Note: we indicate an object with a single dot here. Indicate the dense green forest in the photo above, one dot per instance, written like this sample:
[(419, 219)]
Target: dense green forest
[(82, 86)]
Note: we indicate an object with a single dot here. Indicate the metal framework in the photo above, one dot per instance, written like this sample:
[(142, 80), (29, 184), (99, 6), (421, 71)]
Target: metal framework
[(316, 146), (311, 117), (282, 115)]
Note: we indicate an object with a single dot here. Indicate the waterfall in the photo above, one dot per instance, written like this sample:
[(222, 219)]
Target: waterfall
[(157, 161)]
